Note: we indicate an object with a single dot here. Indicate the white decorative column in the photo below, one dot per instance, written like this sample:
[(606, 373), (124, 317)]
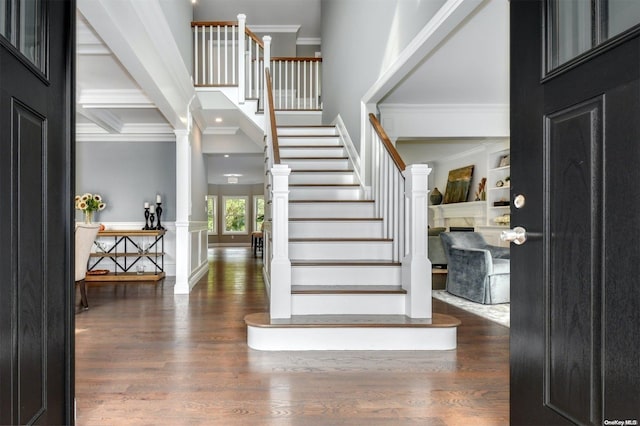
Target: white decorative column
[(242, 22), (183, 202), (416, 266), (280, 297)]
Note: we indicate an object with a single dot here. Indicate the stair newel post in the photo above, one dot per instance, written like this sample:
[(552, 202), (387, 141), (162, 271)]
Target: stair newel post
[(266, 40), (242, 49), (416, 266), (280, 281)]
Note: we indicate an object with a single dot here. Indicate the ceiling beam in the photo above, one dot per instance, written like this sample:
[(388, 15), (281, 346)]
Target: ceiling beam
[(139, 35)]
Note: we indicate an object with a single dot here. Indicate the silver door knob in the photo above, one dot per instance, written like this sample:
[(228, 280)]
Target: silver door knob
[(517, 235)]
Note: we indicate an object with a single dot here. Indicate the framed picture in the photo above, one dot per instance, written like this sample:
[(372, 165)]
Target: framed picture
[(458, 184), (505, 160)]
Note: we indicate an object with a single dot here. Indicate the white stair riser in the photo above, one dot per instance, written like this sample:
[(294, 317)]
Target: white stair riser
[(322, 178), (329, 210), (323, 164), (354, 339), (348, 304), (331, 193), (346, 250), (333, 152), (284, 141), (345, 275), (303, 130), (337, 229)]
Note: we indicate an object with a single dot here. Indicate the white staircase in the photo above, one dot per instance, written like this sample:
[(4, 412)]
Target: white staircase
[(346, 289)]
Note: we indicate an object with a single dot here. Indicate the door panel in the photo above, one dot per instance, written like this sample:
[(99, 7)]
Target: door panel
[(36, 284), (28, 140), (574, 142), (575, 299)]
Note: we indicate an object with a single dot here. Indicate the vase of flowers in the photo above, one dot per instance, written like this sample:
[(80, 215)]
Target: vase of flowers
[(88, 204)]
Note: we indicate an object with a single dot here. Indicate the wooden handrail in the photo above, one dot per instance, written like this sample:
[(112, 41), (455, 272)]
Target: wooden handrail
[(387, 143), (297, 59), (214, 24), (272, 119), (254, 37)]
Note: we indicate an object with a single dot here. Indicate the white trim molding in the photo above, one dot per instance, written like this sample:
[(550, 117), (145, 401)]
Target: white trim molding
[(445, 120), (263, 29), (309, 41)]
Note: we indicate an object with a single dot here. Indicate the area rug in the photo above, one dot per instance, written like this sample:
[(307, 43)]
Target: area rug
[(498, 313)]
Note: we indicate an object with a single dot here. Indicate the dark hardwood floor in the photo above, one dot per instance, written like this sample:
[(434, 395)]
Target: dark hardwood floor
[(147, 357)]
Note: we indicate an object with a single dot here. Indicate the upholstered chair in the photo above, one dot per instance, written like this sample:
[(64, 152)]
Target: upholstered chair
[(85, 235), (476, 270)]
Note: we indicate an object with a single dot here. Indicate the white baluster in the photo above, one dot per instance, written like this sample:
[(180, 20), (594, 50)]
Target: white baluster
[(219, 44), (204, 55), (241, 58), (279, 84), (298, 86), (226, 55), (210, 59), (195, 55), (304, 85), (317, 97)]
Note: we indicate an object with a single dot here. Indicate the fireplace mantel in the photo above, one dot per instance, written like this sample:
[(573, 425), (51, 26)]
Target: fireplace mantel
[(472, 213)]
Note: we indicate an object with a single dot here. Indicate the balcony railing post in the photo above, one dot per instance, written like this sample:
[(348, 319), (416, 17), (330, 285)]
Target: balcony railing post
[(242, 21), (280, 295), (416, 266), (266, 40)]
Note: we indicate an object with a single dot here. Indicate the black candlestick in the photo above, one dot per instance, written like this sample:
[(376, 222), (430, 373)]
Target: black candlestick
[(159, 213), (152, 218), (146, 219)]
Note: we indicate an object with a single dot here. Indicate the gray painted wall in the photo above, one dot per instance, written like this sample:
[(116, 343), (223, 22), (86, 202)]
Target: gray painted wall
[(360, 40), (179, 15), (127, 175)]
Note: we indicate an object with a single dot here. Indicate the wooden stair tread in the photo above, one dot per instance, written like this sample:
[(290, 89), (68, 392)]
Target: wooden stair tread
[(347, 289), (337, 262), (262, 319)]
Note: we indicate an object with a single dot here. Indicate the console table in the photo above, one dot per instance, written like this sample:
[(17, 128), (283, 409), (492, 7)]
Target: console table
[(130, 248)]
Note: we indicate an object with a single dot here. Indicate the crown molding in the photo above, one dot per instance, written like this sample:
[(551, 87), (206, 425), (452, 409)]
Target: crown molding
[(309, 41), (114, 98)]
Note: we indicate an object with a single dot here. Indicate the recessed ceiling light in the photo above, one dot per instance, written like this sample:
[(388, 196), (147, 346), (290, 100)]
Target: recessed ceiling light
[(218, 119), (226, 156), (232, 175)]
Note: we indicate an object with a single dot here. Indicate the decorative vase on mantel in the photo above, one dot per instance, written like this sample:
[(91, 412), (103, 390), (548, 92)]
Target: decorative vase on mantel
[(435, 197), (88, 217)]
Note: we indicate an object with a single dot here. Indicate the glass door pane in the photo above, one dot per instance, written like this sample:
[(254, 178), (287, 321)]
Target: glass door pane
[(569, 30), (5, 13), (30, 24), (622, 15)]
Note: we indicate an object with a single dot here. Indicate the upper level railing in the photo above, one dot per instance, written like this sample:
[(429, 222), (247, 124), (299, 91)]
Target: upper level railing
[(227, 53)]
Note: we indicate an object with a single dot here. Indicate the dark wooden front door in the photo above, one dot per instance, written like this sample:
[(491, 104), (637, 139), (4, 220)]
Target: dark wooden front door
[(575, 147), (36, 284)]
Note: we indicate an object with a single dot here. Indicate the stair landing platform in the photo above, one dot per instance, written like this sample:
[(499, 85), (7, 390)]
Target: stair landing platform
[(351, 332)]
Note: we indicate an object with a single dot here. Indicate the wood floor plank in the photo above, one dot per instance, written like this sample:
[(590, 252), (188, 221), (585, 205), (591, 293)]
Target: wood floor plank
[(145, 356)]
